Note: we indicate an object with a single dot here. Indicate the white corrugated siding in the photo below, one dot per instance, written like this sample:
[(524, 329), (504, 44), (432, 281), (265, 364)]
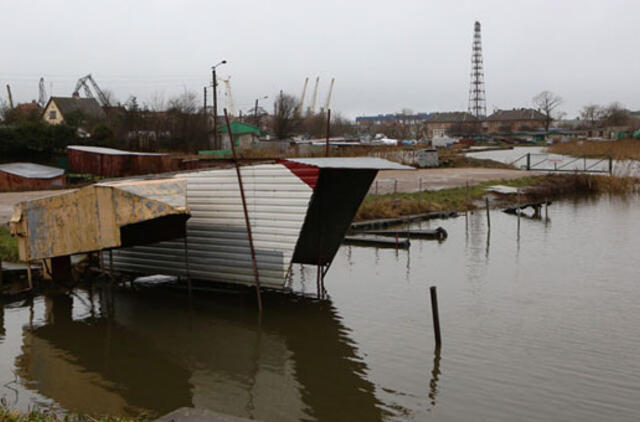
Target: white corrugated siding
[(277, 202)]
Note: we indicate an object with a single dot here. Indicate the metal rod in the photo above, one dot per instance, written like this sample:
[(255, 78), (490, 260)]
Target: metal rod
[(246, 213), (436, 316), (326, 148)]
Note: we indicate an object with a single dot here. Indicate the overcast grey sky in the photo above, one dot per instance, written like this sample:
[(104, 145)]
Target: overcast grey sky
[(385, 55)]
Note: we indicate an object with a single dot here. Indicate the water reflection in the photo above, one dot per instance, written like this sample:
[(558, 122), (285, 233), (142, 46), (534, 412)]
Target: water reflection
[(435, 375), (147, 351)]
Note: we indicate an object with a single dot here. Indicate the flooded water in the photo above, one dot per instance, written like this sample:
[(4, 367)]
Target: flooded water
[(537, 325), (542, 161)]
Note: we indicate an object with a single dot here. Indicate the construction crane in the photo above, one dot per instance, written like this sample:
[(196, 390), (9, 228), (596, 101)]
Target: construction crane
[(304, 92), (42, 93), (9, 96), (326, 104), (82, 83), (314, 97), (230, 103)]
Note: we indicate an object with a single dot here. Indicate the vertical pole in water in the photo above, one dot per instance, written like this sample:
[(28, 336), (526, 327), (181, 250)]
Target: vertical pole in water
[(254, 264), (436, 316), (546, 209), (519, 210), (486, 201)]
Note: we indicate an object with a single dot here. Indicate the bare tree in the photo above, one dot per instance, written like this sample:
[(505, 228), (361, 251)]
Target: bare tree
[(591, 113), (547, 103), (616, 115), (285, 122)]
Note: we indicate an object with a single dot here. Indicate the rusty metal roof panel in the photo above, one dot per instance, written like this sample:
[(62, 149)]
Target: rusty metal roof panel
[(353, 163), (31, 170)]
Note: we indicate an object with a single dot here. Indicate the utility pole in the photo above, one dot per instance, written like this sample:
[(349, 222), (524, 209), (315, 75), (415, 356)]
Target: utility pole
[(215, 104), (204, 109), (255, 113), (215, 108)]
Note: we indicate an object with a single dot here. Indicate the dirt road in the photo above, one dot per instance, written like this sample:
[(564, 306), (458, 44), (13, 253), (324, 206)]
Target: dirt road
[(389, 181), (9, 199)]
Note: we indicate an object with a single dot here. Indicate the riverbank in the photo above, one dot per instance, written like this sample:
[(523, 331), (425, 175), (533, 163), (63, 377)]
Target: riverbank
[(45, 415), (625, 149), (533, 188)]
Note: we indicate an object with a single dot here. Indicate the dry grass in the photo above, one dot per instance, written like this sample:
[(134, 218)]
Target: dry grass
[(625, 149), (454, 199), (460, 199), (49, 415)]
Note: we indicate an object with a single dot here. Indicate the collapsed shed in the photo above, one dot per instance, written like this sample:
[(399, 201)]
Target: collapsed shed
[(299, 212), (110, 162), (28, 176)]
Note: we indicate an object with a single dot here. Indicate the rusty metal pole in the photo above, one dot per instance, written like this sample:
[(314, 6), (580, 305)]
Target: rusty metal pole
[(436, 316), (254, 264), (326, 148)]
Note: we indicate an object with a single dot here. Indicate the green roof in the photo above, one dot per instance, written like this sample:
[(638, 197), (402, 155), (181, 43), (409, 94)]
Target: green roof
[(240, 128)]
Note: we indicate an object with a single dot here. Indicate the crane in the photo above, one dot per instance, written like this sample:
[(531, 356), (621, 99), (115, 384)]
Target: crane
[(312, 107), (326, 104), (230, 103), (304, 91), (82, 83), (42, 93), (9, 96)]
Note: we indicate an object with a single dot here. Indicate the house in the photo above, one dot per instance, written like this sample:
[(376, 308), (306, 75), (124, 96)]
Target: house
[(244, 135), (515, 120), (59, 109), (440, 125)]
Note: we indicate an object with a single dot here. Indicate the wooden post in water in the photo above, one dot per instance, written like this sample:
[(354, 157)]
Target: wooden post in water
[(486, 201), (436, 316)]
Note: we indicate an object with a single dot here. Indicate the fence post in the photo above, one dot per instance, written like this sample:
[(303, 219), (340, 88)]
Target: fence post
[(610, 165), (436, 316), (528, 161), (395, 185)]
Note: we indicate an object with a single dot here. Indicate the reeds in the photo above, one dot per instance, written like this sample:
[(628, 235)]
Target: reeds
[(625, 149)]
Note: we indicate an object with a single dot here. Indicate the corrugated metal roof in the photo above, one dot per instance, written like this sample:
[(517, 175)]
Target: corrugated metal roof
[(365, 163), (109, 151), (31, 170)]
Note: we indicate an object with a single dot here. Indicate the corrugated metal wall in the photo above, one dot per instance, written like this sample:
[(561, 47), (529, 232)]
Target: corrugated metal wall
[(277, 202)]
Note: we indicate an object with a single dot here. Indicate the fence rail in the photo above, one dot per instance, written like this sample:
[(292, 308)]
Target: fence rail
[(562, 164)]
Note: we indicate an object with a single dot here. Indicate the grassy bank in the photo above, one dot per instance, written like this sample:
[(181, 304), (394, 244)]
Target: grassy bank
[(40, 415), (8, 246), (536, 188), (625, 149)]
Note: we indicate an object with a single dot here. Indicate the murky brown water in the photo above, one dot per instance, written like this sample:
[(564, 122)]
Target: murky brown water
[(541, 327)]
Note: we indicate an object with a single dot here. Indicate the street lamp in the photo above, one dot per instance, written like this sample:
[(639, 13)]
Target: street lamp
[(215, 103), (255, 110)]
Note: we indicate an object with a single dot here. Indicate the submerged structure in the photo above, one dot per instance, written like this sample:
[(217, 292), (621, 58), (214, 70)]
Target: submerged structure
[(299, 212)]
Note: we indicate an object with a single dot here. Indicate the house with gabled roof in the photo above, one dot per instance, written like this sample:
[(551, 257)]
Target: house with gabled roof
[(58, 109), (515, 120)]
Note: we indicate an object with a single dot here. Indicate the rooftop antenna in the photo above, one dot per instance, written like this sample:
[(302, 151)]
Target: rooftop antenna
[(477, 96)]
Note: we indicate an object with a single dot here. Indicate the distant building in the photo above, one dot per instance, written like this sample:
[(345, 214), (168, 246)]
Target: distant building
[(515, 120), (60, 108), (244, 135), (391, 118), (440, 125)]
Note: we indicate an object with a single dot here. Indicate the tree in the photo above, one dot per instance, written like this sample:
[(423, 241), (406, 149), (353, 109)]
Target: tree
[(547, 103), (591, 113), (616, 115), (285, 122)]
